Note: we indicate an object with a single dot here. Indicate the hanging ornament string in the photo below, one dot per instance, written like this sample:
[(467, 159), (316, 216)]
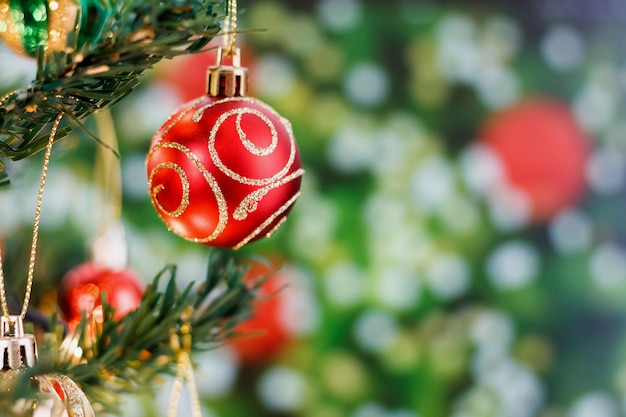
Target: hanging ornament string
[(181, 346), (230, 28), (33, 246)]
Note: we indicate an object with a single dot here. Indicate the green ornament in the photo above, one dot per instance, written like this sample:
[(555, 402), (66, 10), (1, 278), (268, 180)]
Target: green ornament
[(27, 25), (24, 24)]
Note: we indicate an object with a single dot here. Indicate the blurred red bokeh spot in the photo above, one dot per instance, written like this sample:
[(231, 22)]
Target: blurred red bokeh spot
[(543, 150), (264, 335)]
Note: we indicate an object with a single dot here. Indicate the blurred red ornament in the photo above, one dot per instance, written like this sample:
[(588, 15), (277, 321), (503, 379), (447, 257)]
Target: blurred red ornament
[(264, 334), (224, 170), (544, 151), (83, 287)]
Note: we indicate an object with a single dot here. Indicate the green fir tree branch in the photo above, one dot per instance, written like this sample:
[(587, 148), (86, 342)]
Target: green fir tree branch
[(127, 355)]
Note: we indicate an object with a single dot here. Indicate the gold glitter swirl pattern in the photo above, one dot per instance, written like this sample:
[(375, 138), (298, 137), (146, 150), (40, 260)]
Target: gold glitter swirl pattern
[(259, 182), (250, 203), (269, 221), (154, 192), (245, 141), (215, 188), (251, 147), (276, 227)]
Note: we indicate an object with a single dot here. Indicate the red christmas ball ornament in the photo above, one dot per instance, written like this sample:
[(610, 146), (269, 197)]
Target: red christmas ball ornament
[(225, 169), (543, 150), (264, 335), (83, 287)]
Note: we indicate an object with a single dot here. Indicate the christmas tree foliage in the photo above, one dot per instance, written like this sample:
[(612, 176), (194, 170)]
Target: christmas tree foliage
[(457, 250), (115, 356)]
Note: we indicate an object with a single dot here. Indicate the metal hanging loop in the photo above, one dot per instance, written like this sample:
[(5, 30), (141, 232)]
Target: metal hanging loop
[(17, 349)]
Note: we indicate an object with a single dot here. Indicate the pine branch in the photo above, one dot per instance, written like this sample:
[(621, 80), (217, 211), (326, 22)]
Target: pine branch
[(92, 76), (125, 356)]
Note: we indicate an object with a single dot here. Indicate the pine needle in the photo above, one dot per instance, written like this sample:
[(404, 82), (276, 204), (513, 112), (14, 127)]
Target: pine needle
[(127, 355)]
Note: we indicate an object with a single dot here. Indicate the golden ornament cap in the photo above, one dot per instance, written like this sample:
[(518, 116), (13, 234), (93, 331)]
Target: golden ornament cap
[(17, 349), (227, 80)]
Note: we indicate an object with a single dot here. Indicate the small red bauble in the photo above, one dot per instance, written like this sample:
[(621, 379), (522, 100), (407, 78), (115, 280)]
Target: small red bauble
[(264, 335), (224, 171), (544, 152), (83, 287)]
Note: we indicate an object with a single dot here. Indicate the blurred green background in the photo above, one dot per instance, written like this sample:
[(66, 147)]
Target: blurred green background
[(458, 249)]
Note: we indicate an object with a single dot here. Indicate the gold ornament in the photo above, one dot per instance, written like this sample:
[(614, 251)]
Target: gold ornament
[(59, 396), (27, 25)]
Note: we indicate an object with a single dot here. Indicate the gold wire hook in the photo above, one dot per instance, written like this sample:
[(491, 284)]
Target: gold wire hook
[(230, 28)]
